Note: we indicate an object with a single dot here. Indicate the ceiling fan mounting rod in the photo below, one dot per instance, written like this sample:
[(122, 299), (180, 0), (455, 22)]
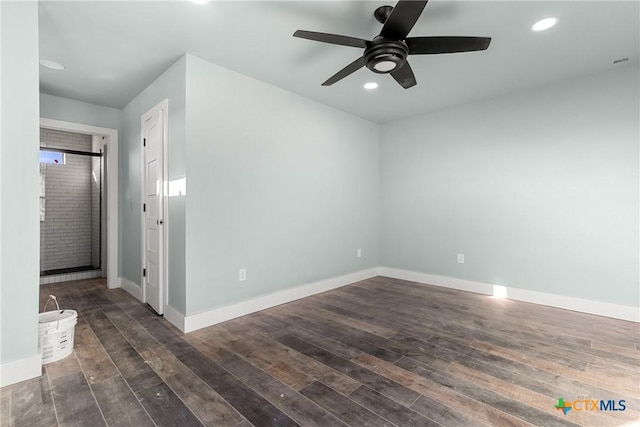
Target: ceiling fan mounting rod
[(382, 13)]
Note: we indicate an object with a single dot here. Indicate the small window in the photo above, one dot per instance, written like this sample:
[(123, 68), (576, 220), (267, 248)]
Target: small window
[(53, 158)]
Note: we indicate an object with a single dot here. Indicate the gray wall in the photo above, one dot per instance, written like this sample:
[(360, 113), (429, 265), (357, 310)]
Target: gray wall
[(69, 110), (278, 184), (539, 190), (19, 181), (171, 85), (67, 233), (317, 146)]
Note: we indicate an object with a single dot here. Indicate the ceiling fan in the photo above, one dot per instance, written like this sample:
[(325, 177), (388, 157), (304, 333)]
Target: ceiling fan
[(387, 53)]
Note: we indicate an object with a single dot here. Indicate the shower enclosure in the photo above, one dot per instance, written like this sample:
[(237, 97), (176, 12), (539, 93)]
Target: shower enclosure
[(71, 207)]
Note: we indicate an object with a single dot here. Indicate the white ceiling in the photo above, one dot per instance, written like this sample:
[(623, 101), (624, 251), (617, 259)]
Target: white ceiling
[(113, 50)]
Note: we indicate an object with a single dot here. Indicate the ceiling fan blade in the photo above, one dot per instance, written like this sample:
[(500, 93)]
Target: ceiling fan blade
[(446, 44), (349, 69), (403, 17), (404, 76), (331, 38)]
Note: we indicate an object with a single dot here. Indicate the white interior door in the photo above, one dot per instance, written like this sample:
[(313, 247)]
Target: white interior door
[(153, 209)]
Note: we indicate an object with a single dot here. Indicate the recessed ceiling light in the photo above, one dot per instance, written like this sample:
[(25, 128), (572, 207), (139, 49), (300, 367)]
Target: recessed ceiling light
[(51, 64), (544, 24), (370, 85), (203, 2)]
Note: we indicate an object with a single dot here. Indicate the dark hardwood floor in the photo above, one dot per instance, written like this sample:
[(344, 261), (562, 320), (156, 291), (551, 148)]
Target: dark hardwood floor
[(381, 352)]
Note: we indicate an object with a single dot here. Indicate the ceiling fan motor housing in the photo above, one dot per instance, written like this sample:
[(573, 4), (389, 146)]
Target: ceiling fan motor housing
[(383, 56)]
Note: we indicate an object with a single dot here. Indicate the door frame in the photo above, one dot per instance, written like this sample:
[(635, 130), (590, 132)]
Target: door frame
[(111, 140), (163, 106)]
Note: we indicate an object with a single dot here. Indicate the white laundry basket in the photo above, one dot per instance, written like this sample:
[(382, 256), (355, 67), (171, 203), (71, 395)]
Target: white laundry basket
[(56, 331)]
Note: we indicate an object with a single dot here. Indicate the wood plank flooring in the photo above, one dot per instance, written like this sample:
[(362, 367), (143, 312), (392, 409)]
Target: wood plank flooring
[(381, 352)]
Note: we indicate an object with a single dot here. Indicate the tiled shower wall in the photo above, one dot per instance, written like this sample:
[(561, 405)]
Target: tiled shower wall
[(67, 232)]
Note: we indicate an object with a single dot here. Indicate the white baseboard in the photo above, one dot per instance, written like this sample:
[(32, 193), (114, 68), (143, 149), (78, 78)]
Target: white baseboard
[(20, 370), (202, 320), (443, 281), (131, 287), (113, 282), (616, 311), (176, 318), (222, 314)]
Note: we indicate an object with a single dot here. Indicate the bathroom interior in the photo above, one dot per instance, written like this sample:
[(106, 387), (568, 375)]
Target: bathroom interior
[(72, 188)]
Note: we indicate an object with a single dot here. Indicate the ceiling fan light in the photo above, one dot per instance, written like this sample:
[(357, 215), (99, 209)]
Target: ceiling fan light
[(385, 66), (544, 24)]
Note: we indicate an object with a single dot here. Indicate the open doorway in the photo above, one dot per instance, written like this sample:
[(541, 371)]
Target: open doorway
[(79, 203), (71, 206)]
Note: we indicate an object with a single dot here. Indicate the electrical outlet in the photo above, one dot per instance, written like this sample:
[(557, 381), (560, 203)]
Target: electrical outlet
[(359, 253), (460, 258), (242, 275)]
